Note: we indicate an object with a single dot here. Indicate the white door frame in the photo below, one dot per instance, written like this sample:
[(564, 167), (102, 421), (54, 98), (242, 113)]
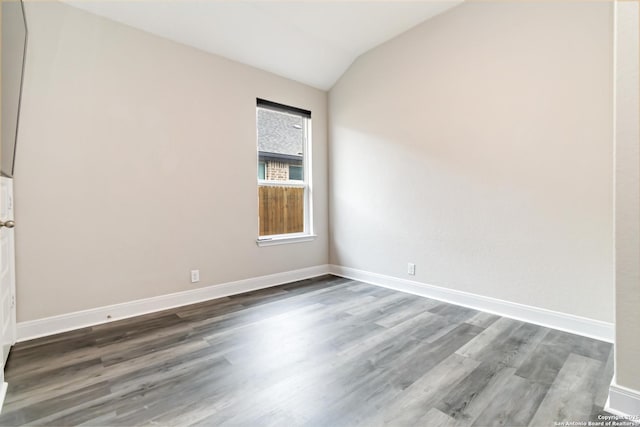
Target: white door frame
[(7, 278)]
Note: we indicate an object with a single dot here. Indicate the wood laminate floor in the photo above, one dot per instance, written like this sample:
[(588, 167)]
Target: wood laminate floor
[(320, 352)]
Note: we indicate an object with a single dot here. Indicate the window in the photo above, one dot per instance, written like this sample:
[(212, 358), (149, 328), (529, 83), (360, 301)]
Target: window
[(295, 173), (283, 173)]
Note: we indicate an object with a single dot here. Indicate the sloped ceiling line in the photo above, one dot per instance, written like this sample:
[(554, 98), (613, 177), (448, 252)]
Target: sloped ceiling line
[(313, 42)]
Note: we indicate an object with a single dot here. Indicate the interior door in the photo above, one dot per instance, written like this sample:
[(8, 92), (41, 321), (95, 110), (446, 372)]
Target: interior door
[(7, 270)]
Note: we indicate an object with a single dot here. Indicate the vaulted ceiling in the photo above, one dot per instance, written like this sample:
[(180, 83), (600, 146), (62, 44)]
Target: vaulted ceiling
[(312, 42)]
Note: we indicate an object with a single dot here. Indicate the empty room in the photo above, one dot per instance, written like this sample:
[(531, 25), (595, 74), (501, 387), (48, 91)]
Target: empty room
[(320, 213)]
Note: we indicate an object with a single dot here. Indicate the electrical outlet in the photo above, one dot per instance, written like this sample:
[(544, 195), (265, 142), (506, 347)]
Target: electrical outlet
[(195, 276), (411, 269)]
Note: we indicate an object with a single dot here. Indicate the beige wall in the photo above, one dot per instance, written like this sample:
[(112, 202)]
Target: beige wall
[(137, 163), (627, 205), (478, 145)]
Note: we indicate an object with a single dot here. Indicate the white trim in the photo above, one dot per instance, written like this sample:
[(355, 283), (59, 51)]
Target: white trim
[(623, 402), (308, 176), (565, 322), (614, 82), (288, 183), (3, 394), (80, 319), (282, 239)]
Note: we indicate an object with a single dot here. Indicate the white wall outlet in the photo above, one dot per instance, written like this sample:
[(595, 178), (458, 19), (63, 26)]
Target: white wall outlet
[(411, 269), (195, 276)]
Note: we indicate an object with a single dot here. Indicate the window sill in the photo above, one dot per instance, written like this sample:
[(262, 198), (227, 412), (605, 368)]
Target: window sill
[(283, 240)]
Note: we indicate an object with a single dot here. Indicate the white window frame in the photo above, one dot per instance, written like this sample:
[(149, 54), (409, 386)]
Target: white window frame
[(307, 234)]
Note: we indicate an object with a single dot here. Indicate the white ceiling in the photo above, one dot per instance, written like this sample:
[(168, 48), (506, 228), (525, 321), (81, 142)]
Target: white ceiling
[(312, 42)]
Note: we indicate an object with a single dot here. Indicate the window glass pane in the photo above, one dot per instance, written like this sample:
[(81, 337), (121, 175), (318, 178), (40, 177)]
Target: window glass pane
[(280, 143), (295, 173), (281, 210), (261, 170)]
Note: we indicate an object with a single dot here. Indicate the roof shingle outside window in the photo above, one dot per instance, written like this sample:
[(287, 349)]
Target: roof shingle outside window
[(280, 135)]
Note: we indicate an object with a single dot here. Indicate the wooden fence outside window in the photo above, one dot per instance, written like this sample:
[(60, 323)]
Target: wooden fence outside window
[(281, 210)]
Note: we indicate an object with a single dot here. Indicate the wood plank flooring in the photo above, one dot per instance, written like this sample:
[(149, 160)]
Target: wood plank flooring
[(320, 352)]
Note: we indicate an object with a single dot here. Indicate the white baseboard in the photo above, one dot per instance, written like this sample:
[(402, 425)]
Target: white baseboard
[(81, 319), (3, 394), (623, 402), (565, 322), (52, 325)]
